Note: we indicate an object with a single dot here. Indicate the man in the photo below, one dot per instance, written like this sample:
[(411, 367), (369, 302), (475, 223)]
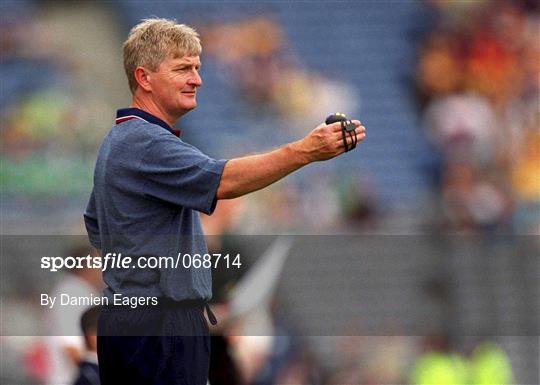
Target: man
[(148, 189)]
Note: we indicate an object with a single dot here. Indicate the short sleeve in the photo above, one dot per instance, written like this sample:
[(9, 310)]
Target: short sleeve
[(91, 223), (180, 174)]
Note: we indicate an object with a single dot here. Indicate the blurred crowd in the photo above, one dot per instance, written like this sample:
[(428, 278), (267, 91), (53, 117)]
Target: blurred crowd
[(49, 117), (257, 55), (478, 83)]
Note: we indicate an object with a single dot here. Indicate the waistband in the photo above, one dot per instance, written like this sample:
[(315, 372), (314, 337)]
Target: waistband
[(190, 303), (169, 303), (186, 303)]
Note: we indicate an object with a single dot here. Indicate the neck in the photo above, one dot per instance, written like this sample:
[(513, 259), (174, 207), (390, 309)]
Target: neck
[(150, 106)]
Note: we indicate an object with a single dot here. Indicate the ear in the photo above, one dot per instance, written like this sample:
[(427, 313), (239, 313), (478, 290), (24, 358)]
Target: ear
[(142, 76)]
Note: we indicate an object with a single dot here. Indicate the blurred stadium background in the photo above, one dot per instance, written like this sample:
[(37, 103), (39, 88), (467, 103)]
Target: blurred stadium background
[(449, 93)]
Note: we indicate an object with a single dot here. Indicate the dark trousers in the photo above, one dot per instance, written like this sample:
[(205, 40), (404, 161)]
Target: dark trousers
[(153, 346)]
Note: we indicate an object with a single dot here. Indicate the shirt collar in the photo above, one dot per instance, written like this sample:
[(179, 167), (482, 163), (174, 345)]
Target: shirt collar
[(125, 114)]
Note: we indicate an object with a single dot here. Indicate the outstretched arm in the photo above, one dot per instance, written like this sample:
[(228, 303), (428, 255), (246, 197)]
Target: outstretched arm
[(251, 173)]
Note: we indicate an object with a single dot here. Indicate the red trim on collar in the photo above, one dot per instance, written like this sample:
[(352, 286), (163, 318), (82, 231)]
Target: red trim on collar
[(129, 117), (123, 119)]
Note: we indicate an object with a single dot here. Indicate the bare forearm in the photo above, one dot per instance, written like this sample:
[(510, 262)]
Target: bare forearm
[(251, 173)]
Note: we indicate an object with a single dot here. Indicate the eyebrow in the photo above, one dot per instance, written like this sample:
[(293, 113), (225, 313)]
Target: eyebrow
[(187, 64)]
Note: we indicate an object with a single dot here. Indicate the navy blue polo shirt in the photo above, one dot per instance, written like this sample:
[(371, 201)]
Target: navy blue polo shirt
[(149, 187)]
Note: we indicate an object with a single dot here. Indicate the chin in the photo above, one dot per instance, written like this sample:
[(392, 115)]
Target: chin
[(188, 106), (185, 109)]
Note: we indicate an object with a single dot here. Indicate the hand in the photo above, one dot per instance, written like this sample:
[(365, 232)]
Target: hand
[(326, 141)]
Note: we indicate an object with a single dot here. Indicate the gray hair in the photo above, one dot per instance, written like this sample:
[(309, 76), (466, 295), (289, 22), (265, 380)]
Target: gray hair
[(154, 40)]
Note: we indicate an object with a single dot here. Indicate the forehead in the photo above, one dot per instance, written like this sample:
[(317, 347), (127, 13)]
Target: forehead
[(174, 60)]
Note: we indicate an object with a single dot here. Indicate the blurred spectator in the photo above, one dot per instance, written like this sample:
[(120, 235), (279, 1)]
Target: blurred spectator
[(66, 347), (456, 14), (88, 366), (463, 127), (440, 70), (439, 365), (224, 369), (473, 199), (491, 66), (490, 365), (358, 202), (526, 184)]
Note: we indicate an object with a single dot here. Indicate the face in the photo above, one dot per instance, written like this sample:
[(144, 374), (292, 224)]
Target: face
[(174, 84)]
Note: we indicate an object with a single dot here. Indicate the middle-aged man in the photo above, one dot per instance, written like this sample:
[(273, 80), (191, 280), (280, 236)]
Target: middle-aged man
[(149, 186)]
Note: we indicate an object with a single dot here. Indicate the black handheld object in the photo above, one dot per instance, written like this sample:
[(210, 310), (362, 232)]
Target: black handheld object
[(347, 128)]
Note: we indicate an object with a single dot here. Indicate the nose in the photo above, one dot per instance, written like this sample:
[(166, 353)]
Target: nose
[(195, 79)]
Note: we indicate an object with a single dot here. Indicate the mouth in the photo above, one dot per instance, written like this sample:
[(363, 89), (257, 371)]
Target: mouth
[(189, 93)]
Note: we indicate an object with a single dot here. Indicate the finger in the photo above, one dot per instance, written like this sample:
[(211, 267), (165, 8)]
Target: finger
[(357, 123), (336, 127), (350, 140), (339, 135)]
